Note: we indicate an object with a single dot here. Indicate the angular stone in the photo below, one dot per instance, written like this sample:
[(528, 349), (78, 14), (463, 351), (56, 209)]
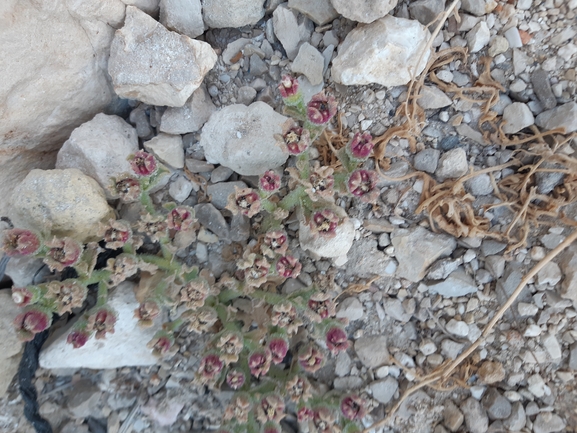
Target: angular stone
[(475, 7), (126, 347), (451, 349), (167, 148), (8, 369), (82, 399), (221, 191), (154, 65), (385, 52), (458, 283), (372, 351), (432, 98), (452, 417), (212, 219), (549, 274), (457, 327), (286, 29), (191, 116), (453, 164), (563, 116), (478, 37), (219, 14), (242, 138), (365, 260), (182, 16), (516, 421), (384, 390), (320, 11), (426, 11), (516, 117), (351, 309), (542, 88), (497, 406), (475, 416), (310, 63), (180, 189), (61, 202), (427, 160), (336, 246), (547, 422), (364, 11), (100, 148)]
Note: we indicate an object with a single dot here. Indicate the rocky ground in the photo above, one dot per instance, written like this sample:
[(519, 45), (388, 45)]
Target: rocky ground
[(414, 298)]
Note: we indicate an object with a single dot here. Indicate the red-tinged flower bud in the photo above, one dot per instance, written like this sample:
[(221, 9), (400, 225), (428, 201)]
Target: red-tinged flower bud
[(20, 242), (244, 201), (31, 322), (276, 241), (288, 267), (259, 362), (311, 358), (278, 348), (362, 184), (305, 414), (289, 86), (180, 218), (336, 340), (353, 407), (270, 408), (325, 223), (322, 306), (163, 343), (361, 146), (62, 253), (101, 321), (270, 181), (210, 367), (235, 379), (116, 234), (271, 427), (22, 296), (321, 108), (143, 163), (78, 338), (146, 312)]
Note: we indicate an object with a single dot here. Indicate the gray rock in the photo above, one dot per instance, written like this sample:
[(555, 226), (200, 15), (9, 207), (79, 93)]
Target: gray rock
[(451, 349), (220, 174), (343, 364), (351, 309), (453, 164), (100, 148), (232, 13), (310, 63), (542, 88), (457, 284), (8, 369), (563, 116), (479, 185), (365, 260), (246, 95), (286, 29), (212, 219), (242, 138), (513, 37), (394, 308), (515, 421), (385, 52), (427, 160), (536, 385), (320, 11), (457, 327), (234, 49), (516, 117), (197, 166), (167, 148), (364, 11), (441, 269), (475, 416), (337, 246), (499, 44), (348, 382), (417, 248), (573, 357), (547, 422), (182, 16), (191, 116), (239, 228), (257, 66), (432, 98), (10, 345), (384, 390), (82, 399), (475, 7), (495, 265), (490, 247), (452, 417), (497, 406), (568, 265), (549, 274), (149, 63), (180, 189), (546, 182), (126, 347), (372, 351), (478, 37), (426, 11), (552, 240), (139, 119), (450, 142)]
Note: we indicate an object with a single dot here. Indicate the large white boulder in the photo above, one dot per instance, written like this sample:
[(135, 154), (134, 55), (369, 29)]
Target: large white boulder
[(364, 11)]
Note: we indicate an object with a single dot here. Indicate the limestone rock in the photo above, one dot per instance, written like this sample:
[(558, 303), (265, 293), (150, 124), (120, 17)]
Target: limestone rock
[(417, 248), (478, 37), (365, 260), (384, 52), (154, 65), (457, 284), (100, 148), (286, 29), (54, 56), (62, 202), (426, 11), (517, 116), (337, 246), (563, 116), (476, 418), (432, 97), (182, 16), (384, 390), (372, 350), (191, 116), (310, 63), (167, 148), (148, 6), (232, 13), (320, 11), (126, 347), (453, 164), (242, 138), (10, 346), (364, 11)]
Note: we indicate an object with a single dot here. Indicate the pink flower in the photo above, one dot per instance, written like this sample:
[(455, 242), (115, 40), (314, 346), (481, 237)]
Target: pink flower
[(31, 322), (288, 267), (270, 181), (19, 242), (162, 344), (126, 188), (235, 379), (67, 294), (305, 414), (244, 201), (180, 218), (62, 253), (322, 306), (311, 358), (288, 86), (78, 338), (253, 269), (284, 315), (353, 407), (143, 163), (321, 108), (210, 367), (116, 234), (321, 182), (259, 362), (362, 184), (278, 348), (325, 223), (271, 408), (361, 146), (294, 139), (276, 240), (22, 296), (101, 321), (336, 340)]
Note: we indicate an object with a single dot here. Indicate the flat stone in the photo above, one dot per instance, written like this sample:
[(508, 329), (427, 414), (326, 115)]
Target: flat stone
[(320, 11), (394, 308), (384, 390), (549, 274), (198, 166), (452, 417), (497, 406), (536, 385), (167, 148), (457, 284), (82, 399), (516, 421), (180, 189), (475, 416), (490, 247), (343, 364), (553, 348), (220, 174), (310, 63), (8, 369), (426, 11), (212, 219), (542, 88), (517, 116), (451, 349), (243, 138), (527, 310), (365, 260), (191, 116), (383, 52), (219, 14), (563, 116), (351, 309), (495, 265), (513, 37), (432, 98), (475, 7), (100, 148), (182, 16), (478, 37), (163, 413), (334, 247), (221, 191), (286, 29), (573, 357), (453, 164), (372, 351), (364, 11), (427, 160), (547, 422), (126, 347), (154, 65), (347, 383)]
